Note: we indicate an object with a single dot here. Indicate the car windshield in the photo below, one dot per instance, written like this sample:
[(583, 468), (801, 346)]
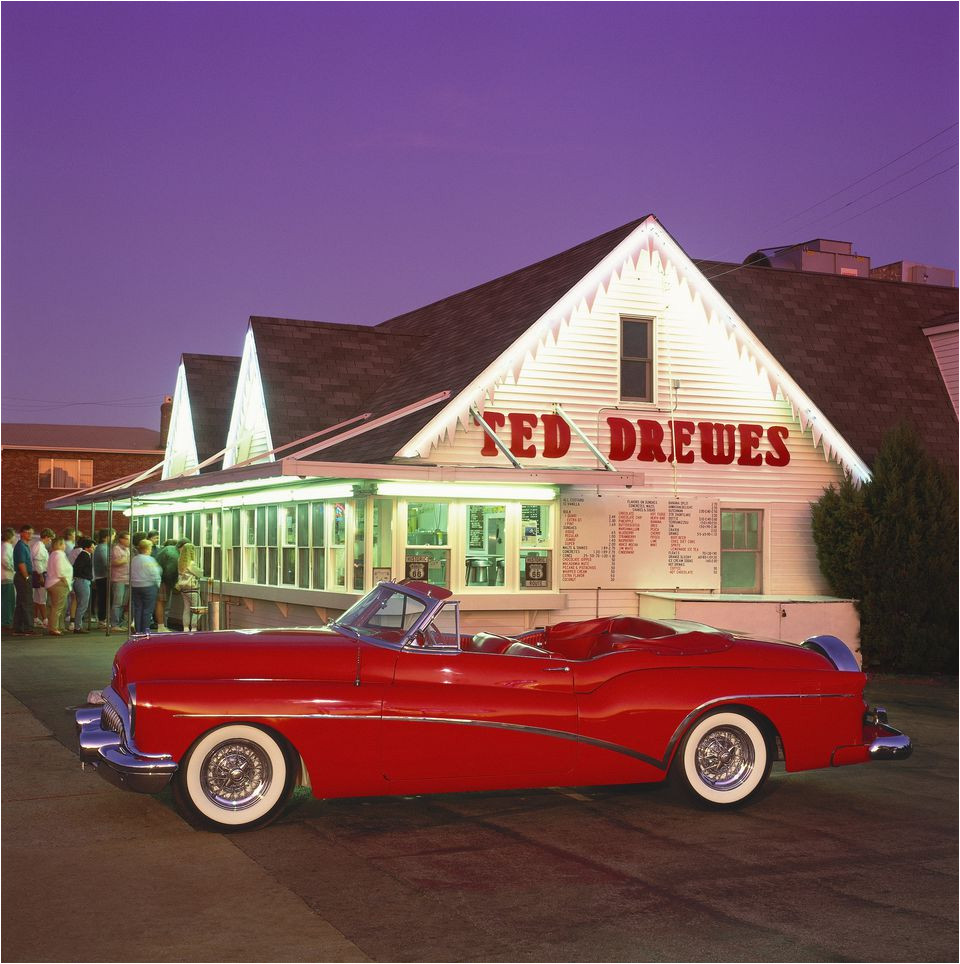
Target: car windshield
[(385, 613)]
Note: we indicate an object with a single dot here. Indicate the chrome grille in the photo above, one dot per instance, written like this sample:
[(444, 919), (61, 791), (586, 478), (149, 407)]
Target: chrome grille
[(110, 719)]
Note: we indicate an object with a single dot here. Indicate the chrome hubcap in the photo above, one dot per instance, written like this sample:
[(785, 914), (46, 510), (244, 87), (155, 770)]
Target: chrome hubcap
[(236, 775), (725, 758)]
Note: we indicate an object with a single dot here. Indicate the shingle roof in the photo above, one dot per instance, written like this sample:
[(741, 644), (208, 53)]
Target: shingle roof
[(854, 345), (72, 438), (211, 384), (316, 374), (456, 338)]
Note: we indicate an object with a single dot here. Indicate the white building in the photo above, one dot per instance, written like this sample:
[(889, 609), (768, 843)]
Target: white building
[(616, 429)]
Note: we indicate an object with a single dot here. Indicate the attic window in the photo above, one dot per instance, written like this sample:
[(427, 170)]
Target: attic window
[(636, 359)]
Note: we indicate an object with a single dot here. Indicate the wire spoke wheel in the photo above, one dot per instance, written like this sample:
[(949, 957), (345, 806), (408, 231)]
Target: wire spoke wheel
[(235, 777), (236, 774), (723, 759)]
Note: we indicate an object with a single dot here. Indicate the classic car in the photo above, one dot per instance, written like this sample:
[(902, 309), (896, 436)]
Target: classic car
[(391, 698)]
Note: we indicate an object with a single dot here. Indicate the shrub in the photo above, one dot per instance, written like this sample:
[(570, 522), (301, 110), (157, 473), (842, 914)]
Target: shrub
[(892, 545)]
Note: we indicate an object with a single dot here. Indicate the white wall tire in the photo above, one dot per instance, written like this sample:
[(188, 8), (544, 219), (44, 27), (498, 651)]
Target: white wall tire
[(724, 759), (236, 777)]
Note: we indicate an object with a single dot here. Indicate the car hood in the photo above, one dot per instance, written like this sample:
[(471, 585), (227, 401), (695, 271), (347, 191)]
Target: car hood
[(290, 654)]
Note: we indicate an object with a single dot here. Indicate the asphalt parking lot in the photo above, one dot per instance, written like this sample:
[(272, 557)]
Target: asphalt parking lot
[(854, 864)]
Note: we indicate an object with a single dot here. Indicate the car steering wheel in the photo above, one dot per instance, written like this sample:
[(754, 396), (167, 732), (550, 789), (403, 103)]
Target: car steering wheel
[(432, 637)]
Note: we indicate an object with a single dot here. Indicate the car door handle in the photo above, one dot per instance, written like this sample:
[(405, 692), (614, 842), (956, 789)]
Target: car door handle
[(557, 669)]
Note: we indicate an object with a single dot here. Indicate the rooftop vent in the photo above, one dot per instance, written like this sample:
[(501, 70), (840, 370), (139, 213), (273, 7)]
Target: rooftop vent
[(920, 274), (820, 255)]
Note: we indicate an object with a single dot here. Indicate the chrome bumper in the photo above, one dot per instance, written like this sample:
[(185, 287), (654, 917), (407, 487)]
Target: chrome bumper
[(889, 744), (114, 756)]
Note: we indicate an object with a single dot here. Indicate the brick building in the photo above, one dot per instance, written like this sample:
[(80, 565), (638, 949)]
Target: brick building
[(41, 462)]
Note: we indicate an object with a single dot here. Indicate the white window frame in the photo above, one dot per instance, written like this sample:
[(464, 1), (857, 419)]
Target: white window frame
[(652, 360)]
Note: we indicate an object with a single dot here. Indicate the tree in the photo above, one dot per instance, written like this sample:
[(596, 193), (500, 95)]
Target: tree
[(892, 544)]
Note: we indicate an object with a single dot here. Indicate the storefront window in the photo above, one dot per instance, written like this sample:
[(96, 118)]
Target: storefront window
[(209, 537), (193, 528), (486, 553), (536, 547), (338, 549), (273, 550), (288, 550), (382, 539), (236, 558), (303, 545), (318, 556), (359, 542), (427, 554), (740, 551)]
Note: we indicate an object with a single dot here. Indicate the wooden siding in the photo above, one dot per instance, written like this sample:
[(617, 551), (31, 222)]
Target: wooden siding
[(249, 434), (713, 383), (180, 457)]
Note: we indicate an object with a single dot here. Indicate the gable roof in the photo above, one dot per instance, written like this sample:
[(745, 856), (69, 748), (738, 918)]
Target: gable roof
[(211, 382), (855, 345), (76, 438)]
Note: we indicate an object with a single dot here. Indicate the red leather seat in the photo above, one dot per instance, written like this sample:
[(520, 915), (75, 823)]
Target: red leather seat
[(576, 640), (489, 643)]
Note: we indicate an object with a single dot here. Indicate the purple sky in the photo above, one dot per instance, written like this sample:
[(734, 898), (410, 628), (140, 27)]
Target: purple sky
[(171, 169)]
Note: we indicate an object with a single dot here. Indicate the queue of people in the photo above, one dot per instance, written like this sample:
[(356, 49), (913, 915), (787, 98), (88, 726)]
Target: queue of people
[(71, 583)]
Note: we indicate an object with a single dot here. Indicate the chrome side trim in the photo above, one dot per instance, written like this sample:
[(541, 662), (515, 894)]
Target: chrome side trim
[(277, 716), (542, 731), (660, 764)]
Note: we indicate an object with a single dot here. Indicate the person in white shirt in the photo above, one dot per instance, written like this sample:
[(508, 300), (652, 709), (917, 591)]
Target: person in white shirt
[(58, 585), (40, 552), (9, 593), (145, 575)]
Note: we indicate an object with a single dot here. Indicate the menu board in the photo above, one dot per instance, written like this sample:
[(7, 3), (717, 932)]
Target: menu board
[(618, 540), (475, 527)]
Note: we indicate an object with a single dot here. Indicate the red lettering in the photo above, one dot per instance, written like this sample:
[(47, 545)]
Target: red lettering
[(777, 436), (495, 420), (623, 438), (556, 437), (521, 431), (750, 436), (682, 435), (651, 441), (718, 444)]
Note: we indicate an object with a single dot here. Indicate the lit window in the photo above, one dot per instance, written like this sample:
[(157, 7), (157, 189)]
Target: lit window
[(741, 550), (636, 360), (65, 473), (536, 544), (338, 545), (427, 554), (485, 563)]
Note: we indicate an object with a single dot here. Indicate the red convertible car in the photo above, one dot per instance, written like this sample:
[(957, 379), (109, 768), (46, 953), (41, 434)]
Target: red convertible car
[(391, 698)]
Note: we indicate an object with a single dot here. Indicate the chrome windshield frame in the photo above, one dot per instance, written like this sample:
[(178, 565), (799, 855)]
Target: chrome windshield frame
[(431, 605)]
